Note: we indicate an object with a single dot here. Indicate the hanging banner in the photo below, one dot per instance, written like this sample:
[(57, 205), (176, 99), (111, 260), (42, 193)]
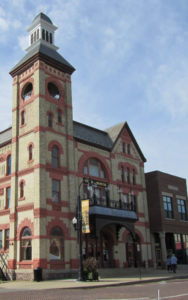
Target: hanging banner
[(85, 216)]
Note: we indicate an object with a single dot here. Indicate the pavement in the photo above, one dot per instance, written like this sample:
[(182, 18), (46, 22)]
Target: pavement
[(136, 276)]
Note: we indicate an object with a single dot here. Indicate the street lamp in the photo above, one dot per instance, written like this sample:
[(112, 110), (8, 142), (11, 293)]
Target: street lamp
[(77, 223)]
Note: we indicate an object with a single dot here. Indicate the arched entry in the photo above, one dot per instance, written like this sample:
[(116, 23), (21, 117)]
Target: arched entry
[(133, 250)]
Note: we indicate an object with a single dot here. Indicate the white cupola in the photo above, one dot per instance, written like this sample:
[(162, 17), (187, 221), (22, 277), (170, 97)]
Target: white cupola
[(41, 31)]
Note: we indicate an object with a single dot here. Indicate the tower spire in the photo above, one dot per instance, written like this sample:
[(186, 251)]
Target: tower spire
[(41, 31)]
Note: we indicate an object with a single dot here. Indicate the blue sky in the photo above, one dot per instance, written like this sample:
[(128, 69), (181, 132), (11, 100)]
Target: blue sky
[(131, 60)]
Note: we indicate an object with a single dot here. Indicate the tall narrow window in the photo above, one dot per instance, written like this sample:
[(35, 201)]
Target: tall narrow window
[(26, 244), (30, 152), (51, 38), (37, 34), (182, 209), (59, 116), (168, 209), (23, 117), (43, 34), (47, 36), (128, 175), (134, 177), (7, 236), (31, 39), (55, 157), (128, 148), (1, 239), (9, 165), (123, 147), (8, 197), (122, 174), (55, 190), (22, 189), (50, 120)]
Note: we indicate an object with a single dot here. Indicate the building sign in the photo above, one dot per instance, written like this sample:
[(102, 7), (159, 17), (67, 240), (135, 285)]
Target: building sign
[(95, 182), (85, 216)]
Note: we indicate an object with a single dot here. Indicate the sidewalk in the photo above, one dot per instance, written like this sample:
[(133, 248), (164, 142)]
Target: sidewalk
[(135, 277)]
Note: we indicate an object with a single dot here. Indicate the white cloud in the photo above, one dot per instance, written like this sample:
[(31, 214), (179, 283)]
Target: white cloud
[(3, 24), (23, 42)]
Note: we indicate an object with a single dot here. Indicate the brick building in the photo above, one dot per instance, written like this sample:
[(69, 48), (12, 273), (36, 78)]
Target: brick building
[(44, 158), (167, 206)]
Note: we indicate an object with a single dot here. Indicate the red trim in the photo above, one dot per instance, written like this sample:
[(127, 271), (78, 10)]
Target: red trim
[(25, 223), (55, 143), (11, 263), (22, 85), (25, 264), (91, 154), (60, 224), (25, 207), (54, 80)]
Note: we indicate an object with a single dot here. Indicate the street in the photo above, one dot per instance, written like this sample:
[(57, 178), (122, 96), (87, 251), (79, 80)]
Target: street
[(173, 289)]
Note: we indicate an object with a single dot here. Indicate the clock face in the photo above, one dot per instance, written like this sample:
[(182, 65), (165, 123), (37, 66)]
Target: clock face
[(27, 91), (53, 91)]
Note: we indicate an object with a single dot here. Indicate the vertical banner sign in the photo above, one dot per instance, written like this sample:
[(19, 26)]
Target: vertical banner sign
[(85, 216)]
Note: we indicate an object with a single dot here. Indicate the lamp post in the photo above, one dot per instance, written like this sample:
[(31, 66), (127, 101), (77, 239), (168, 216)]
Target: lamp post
[(77, 223)]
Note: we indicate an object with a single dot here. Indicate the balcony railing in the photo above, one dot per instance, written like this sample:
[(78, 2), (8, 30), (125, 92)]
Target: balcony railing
[(116, 204)]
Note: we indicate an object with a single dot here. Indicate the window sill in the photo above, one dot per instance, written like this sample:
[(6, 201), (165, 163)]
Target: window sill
[(21, 198)]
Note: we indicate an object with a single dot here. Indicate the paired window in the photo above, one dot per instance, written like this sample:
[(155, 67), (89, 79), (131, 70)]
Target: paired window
[(56, 195), (56, 243), (26, 244), (93, 167), (47, 36), (126, 148), (182, 209), (168, 208), (130, 176)]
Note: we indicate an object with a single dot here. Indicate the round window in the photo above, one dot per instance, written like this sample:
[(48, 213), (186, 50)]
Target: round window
[(53, 91), (27, 91)]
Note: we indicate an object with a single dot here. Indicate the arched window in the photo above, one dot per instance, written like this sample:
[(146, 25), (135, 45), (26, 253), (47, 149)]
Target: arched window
[(9, 165), (56, 243), (30, 152), (22, 189), (27, 91), (93, 167), (23, 117), (50, 117), (55, 157), (26, 244)]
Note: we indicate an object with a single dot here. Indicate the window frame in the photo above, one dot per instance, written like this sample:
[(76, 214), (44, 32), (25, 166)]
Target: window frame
[(23, 239), (169, 213), (56, 193), (6, 239), (8, 196), (182, 215), (9, 159)]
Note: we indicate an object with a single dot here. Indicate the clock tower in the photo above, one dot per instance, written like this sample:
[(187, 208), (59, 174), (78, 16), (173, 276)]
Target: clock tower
[(43, 171)]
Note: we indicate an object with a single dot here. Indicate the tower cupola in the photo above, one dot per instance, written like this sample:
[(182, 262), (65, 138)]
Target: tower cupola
[(41, 31)]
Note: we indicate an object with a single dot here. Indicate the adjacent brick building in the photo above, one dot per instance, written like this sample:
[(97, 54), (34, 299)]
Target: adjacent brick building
[(44, 158), (167, 205)]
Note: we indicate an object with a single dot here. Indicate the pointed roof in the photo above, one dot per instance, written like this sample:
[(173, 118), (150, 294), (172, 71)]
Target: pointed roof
[(49, 55), (115, 131), (42, 16)]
